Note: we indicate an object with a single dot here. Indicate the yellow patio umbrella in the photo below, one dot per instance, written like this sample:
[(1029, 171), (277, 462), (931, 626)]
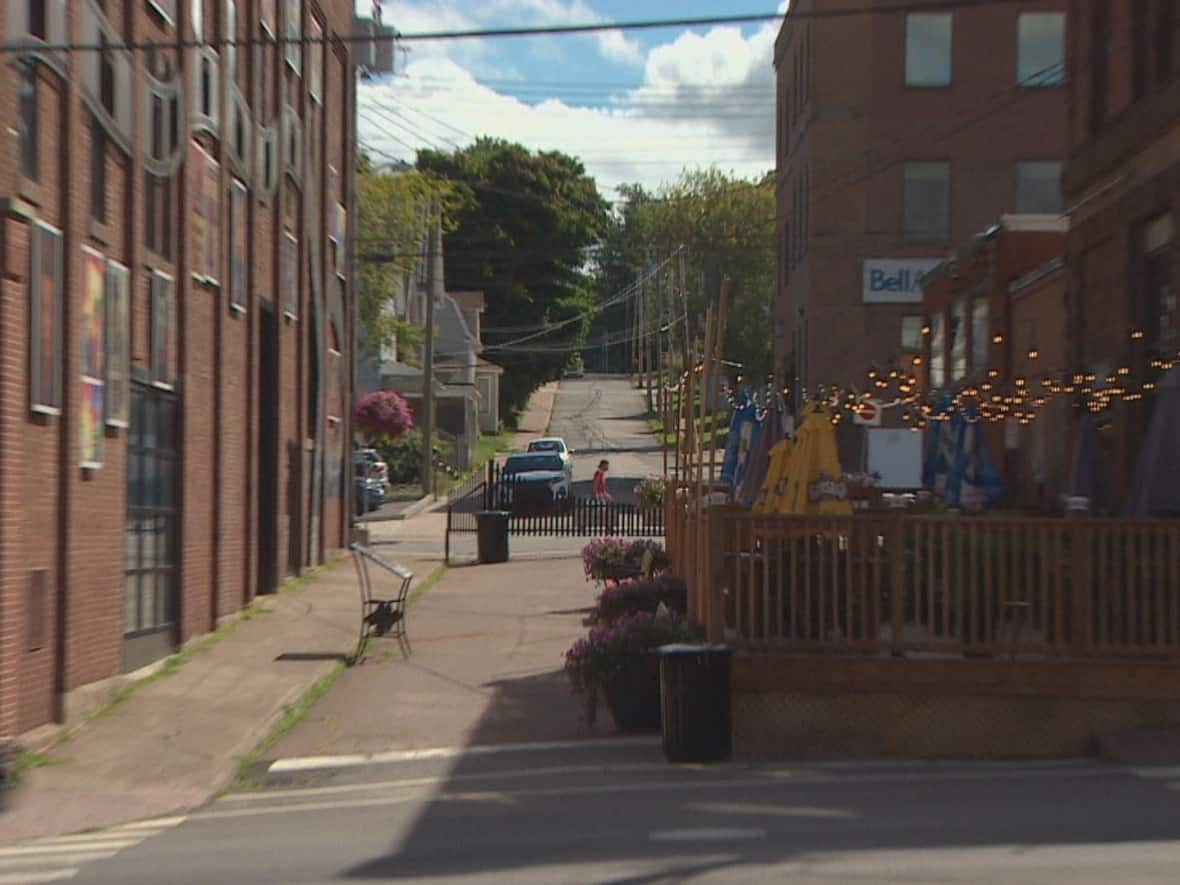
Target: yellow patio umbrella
[(813, 457), (775, 484)]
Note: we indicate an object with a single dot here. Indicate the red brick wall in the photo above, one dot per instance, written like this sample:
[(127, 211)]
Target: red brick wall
[(860, 126), (55, 516)]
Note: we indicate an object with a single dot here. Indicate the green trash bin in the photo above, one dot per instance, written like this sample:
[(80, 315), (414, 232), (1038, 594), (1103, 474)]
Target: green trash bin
[(695, 702), (491, 527)]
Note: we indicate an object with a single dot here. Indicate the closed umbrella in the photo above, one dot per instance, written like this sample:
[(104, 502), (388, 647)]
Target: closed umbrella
[(758, 462), (1155, 489), (743, 413), (1085, 476), (814, 457), (974, 482)]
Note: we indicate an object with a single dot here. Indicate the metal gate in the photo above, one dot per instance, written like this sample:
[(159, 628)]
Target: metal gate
[(539, 515)]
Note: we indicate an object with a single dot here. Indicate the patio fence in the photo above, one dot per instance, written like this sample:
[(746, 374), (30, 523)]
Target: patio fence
[(947, 585)]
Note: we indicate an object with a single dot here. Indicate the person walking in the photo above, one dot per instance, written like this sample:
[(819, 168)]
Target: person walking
[(598, 485)]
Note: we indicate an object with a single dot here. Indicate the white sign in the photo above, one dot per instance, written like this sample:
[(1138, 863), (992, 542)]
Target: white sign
[(895, 280), (897, 456), (868, 413)]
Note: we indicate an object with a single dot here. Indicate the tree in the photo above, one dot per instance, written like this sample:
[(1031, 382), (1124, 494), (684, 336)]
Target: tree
[(726, 227), (522, 223), (382, 416), (393, 209)]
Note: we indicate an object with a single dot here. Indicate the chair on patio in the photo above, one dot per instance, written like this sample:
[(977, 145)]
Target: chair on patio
[(381, 615)]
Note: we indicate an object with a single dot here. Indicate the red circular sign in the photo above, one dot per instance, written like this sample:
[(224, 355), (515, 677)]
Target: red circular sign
[(868, 411)]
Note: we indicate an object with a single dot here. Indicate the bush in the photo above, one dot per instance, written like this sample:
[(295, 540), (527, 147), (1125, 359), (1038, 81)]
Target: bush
[(382, 415), (636, 595), (603, 557), (650, 493), (592, 661)]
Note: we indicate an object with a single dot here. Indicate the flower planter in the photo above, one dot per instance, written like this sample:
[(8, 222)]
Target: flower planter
[(633, 694)]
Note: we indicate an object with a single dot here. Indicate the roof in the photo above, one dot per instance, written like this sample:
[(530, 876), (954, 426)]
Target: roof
[(469, 300)]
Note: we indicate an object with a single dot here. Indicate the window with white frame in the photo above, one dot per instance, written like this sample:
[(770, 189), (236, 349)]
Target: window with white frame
[(928, 53)]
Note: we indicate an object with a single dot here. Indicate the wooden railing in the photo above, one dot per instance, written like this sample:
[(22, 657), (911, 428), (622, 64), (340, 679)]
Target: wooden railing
[(927, 584)]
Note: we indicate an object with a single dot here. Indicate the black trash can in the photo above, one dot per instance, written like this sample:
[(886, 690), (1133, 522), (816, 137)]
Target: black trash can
[(491, 528), (694, 702)]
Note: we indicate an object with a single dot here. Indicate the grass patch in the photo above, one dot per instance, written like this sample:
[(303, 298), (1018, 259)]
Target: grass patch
[(293, 714), (24, 761)]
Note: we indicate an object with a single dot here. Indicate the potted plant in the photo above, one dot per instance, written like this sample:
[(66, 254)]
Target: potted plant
[(606, 559), (618, 662), (644, 594), (650, 493)]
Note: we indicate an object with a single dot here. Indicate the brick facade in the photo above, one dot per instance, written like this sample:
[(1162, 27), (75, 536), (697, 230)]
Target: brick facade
[(1123, 182), (848, 124), (68, 554)]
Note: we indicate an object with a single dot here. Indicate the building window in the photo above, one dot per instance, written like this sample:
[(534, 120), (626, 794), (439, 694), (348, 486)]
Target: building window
[(911, 333), (1038, 187), (106, 75), (928, 50), (98, 170), (980, 336), (27, 72), (1041, 49), (927, 201), (958, 340), (37, 20), (938, 352), (157, 208)]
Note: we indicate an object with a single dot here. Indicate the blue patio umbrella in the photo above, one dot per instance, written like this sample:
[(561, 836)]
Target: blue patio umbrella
[(744, 417), (940, 450), (1155, 489), (974, 482), (769, 432)]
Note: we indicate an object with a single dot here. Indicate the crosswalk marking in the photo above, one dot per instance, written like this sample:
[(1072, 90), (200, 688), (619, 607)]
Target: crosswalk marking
[(59, 858)]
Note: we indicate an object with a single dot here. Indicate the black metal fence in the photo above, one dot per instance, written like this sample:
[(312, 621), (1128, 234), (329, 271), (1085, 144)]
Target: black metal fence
[(534, 511)]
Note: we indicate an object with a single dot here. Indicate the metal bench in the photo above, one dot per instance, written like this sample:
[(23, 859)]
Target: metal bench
[(381, 615)]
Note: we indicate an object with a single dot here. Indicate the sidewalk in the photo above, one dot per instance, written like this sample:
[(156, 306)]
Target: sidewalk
[(486, 667), (179, 736), (534, 420)]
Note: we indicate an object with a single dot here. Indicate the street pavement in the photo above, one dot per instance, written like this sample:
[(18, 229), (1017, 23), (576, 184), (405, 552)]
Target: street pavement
[(617, 813)]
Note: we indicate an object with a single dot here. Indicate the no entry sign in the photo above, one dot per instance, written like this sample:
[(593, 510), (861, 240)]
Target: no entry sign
[(869, 413)]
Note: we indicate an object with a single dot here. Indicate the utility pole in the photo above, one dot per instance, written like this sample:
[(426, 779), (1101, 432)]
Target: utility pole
[(433, 266)]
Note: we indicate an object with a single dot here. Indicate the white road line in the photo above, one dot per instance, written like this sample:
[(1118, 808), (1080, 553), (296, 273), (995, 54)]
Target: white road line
[(153, 823), (95, 844), (36, 878), (309, 763), (65, 857), (716, 834), (377, 786)]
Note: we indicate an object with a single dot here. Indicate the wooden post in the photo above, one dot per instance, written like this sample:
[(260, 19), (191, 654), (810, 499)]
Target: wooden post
[(1081, 583), (897, 582), (715, 381)]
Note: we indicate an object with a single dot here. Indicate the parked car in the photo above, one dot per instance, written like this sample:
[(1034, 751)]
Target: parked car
[(369, 492), (554, 445), (574, 372), (534, 477), (375, 467)]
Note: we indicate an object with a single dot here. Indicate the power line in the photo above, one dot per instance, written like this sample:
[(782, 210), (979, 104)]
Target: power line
[(35, 46)]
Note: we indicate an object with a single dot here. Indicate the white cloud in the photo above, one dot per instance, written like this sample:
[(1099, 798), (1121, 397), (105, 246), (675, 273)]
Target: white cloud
[(705, 99)]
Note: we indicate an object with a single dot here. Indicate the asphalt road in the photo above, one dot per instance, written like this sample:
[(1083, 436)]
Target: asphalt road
[(620, 814)]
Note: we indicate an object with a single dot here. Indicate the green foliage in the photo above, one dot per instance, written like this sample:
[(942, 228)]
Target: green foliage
[(393, 211), (726, 226), (521, 224)]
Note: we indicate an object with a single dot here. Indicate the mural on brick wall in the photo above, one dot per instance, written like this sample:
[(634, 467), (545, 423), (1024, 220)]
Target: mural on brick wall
[(197, 229), (239, 246), (212, 220), (92, 320), (118, 344), (45, 311), (163, 292)]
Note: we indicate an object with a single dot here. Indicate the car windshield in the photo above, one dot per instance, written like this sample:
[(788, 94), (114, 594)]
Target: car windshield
[(545, 445), (529, 463)]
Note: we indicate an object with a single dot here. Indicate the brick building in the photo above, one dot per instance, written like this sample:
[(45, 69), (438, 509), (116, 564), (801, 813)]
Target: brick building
[(1122, 182), (900, 135), (996, 319), (175, 325)]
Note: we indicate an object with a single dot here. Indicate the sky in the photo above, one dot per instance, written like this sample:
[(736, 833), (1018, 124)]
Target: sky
[(634, 107)]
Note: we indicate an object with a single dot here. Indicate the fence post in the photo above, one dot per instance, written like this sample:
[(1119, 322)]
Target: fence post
[(447, 539), (897, 582), (1081, 580)]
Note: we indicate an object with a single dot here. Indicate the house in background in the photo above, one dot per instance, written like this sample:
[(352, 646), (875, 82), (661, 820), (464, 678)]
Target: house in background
[(487, 373)]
